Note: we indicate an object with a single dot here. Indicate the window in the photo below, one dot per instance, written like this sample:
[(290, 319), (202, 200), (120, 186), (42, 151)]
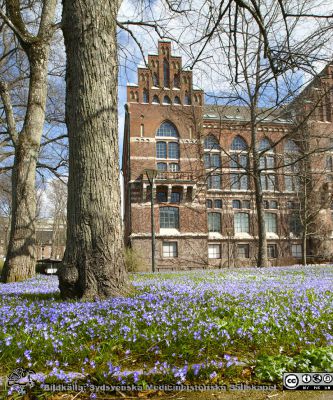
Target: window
[(187, 99), (209, 203), (264, 144), (166, 100), (291, 183), (296, 250), (176, 100), (176, 81), (236, 204), (239, 161), (241, 222), (174, 167), (291, 147), (271, 251), (167, 129), (175, 197), (246, 204), (145, 96), (214, 182), (214, 222), (295, 225), (173, 150), (161, 166), (273, 204), (156, 100), (170, 249), (166, 73), (169, 217), (155, 79), (214, 251), (211, 143), (161, 150), (162, 195), (239, 182), (243, 251), (217, 203), (270, 222), (212, 160), (238, 144), (329, 163), (268, 182)]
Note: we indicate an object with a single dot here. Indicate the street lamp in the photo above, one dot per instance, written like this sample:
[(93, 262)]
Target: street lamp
[(151, 175)]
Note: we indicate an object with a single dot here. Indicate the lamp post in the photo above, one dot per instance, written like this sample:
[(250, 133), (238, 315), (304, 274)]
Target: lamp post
[(151, 175)]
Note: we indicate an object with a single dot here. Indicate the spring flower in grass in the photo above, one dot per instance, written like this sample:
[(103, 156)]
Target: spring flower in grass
[(213, 375)]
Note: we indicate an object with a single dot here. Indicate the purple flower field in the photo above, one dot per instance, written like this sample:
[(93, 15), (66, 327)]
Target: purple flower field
[(199, 326)]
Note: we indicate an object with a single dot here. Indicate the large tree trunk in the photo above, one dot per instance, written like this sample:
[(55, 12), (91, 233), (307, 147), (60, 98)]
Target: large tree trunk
[(21, 253), (93, 264)]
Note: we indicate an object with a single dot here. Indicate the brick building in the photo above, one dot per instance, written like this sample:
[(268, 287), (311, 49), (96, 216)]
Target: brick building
[(204, 211)]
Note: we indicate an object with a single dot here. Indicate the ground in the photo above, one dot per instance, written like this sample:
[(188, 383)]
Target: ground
[(201, 327)]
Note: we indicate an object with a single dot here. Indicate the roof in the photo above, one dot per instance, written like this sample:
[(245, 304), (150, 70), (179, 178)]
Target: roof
[(241, 113)]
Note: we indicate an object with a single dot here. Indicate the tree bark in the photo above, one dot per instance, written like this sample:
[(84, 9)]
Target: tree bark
[(21, 253), (93, 264)]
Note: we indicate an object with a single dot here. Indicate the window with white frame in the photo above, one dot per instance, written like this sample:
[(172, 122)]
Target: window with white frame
[(214, 251), (242, 222), (296, 250), (214, 182), (270, 222), (214, 222), (271, 251), (169, 217), (243, 250), (170, 250), (239, 182)]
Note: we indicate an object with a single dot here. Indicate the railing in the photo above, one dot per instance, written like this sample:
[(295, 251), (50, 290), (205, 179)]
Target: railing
[(177, 176)]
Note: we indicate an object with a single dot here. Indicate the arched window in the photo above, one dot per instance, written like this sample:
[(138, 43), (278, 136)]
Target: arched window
[(156, 100), (166, 73), (166, 100), (176, 100), (155, 79), (187, 99), (291, 147), (265, 144), (238, 144), (145, 96), (211, 143), (167, 128)]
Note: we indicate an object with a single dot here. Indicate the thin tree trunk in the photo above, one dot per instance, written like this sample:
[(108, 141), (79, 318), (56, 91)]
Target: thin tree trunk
[(21, 253), (93, 264)]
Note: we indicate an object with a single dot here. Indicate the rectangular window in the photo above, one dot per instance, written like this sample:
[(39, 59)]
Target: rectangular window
[(288, 183), (162, 195), (214, 222), (271, 251), (175, 197), (173, 167), (239, 182), (173, 150), (241, 223), (243, 251), (161, 150), (214, 251), (296, 250), (169, 217), (270, 161), (170, 249), (270, 222), (214, 182), (215, 161)]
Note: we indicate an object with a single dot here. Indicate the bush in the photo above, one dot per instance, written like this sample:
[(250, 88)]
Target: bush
[(134, 261)]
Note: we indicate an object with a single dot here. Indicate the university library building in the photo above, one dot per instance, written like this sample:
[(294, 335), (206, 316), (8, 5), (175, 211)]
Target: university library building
[(204, 198)]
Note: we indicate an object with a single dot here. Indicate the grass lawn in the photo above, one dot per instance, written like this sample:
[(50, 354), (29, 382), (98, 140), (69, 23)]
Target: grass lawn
[(213, 327)]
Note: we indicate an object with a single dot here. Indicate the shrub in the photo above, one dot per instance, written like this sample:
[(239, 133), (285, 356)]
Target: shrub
[(134, 261)]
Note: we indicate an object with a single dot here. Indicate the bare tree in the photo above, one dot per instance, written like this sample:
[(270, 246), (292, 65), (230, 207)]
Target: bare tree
[(20, 260)]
